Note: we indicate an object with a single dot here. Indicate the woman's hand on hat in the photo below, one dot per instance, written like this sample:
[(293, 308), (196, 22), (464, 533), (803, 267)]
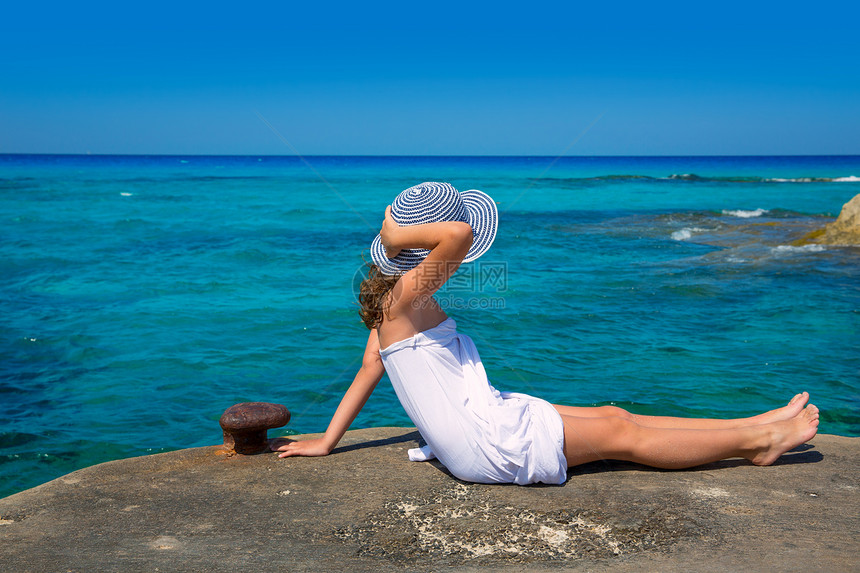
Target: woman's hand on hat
[(388, 233)]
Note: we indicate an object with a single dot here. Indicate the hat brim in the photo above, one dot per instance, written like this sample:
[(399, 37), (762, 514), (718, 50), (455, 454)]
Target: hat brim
[(483, 217)]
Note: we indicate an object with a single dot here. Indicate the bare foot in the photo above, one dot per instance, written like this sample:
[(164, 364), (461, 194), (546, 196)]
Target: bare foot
[(787, 412), (787, 434)]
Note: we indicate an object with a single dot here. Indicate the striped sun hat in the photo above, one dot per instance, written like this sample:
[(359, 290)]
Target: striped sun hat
[(433, 203)]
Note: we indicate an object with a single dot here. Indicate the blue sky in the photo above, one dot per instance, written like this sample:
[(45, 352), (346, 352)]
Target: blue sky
[(431, 78)]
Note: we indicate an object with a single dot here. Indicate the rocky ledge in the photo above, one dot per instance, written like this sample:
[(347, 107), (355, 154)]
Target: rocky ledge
[(844, 231), (367, 508)]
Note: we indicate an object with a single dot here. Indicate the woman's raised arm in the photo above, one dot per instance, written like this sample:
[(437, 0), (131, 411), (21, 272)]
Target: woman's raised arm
[(448, 243)]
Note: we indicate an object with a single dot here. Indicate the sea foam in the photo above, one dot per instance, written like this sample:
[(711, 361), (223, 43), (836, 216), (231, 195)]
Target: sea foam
[(786, 249), (685, 233), (849, 179), (745, 214)]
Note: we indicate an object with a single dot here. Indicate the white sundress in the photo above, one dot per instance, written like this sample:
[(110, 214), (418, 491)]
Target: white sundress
[(480, 434)]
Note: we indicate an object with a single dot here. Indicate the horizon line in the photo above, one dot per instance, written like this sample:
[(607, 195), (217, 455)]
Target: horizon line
[(350, 155)]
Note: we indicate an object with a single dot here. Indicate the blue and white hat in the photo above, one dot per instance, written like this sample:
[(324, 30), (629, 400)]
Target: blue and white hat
[(433, 203)]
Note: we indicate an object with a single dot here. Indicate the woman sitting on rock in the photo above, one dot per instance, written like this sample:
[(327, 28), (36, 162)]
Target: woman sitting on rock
[(478, 433)]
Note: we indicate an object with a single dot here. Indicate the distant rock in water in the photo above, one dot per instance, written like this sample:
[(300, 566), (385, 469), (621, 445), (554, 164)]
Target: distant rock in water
[(844, 231)]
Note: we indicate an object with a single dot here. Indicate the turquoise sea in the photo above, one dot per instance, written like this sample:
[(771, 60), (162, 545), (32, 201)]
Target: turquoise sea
[(142, 296)]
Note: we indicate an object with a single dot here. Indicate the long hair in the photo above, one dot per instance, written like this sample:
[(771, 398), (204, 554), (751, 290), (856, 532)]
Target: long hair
[(372, 295)]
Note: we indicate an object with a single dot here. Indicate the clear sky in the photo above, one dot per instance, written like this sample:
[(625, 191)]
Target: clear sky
[(430, 78)]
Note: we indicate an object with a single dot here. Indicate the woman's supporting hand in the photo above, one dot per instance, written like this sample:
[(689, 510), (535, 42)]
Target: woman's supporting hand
[(366, 379), (288, 447)]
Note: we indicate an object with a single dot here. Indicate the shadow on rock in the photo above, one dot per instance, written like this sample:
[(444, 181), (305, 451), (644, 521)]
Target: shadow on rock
[(803, 454), (409, 437)]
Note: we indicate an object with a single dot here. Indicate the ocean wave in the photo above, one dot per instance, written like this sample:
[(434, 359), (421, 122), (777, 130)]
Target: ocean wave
[(589, 180), (745, 214), (757, 179), (693, 178), (849, 179), (686, 177), (685, 233), (716, 179), (787, 249), (621, 177)]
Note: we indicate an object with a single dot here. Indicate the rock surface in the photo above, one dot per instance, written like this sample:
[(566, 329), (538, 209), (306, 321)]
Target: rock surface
[(367, 508), (845, 230)]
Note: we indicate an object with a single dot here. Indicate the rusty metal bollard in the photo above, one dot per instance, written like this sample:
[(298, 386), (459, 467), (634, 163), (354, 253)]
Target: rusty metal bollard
[(245, 425)]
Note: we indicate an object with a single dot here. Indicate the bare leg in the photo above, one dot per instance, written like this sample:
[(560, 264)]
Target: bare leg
[(612, 437), (785, 413)]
